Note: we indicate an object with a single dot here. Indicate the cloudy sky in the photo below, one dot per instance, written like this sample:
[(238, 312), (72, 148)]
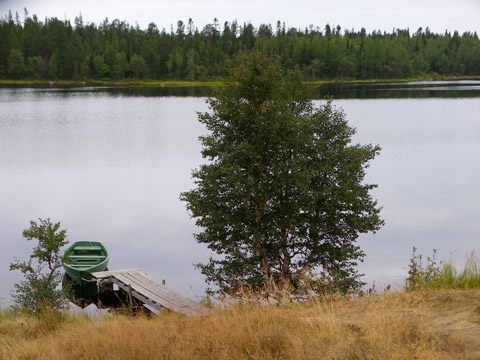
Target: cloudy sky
[(438, 15)]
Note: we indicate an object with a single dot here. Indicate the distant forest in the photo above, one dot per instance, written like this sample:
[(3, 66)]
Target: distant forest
[(58, 50)]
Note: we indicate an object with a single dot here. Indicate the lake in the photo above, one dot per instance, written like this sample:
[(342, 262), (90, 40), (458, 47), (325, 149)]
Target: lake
[(110, 163)]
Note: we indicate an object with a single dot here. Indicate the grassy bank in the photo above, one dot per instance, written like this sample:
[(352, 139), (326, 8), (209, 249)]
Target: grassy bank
[(437, 316), (132, 83), (174, 83), (435, 324)]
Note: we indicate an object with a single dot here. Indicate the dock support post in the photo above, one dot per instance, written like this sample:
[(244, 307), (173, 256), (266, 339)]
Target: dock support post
[(130, 298)]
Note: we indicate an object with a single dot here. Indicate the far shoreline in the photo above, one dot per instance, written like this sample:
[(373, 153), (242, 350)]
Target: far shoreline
[(213, 83)]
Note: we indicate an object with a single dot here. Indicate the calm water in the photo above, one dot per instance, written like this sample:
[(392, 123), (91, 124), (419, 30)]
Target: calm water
[(110, 164)]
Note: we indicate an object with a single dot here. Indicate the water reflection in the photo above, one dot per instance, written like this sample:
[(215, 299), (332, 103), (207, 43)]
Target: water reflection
[(422, 89), (181, 91), (338, 90)]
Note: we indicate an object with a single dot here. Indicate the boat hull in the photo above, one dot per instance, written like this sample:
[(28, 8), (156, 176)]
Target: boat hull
[(79, 261)]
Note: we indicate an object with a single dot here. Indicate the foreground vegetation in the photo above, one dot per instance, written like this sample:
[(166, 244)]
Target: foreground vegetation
[(59, 50), (442, 324), (423, 322), (429, 273)]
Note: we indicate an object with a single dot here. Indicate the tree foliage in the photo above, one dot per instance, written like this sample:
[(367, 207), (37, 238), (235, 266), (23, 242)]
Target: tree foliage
[(282, 195), (39, 289), (188, 53)]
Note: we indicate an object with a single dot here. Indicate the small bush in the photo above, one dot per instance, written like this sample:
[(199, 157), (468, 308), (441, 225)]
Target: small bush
[(443, 274), (39, 290)]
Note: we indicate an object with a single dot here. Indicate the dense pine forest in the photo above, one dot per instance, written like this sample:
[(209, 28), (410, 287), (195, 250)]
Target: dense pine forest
[(59, 50)]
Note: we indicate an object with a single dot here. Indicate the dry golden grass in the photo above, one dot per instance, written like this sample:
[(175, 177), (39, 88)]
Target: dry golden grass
[(436, 324)]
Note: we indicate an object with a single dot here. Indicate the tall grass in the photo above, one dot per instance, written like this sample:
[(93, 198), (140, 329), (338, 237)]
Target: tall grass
[(440, 324), (444, 274), (5, 315), (397, 326)]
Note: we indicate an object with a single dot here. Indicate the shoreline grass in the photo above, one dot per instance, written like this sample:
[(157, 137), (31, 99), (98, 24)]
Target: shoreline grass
[(125, 83), (434, 274), (438, 320), (212, 83), (400, 325)]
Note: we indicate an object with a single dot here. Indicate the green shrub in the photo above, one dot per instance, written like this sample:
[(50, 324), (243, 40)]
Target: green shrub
[(443, 274)]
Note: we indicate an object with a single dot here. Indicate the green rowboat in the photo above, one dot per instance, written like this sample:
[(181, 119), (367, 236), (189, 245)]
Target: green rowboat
[(84, 257)]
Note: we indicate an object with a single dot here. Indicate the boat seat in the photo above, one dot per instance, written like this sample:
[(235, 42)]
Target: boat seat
[(86, 257), (82, 266), (87, 248)]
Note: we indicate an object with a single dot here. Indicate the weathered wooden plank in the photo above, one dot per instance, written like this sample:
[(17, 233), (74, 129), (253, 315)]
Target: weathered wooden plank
[(141, 294), (150, 284), (144, 291), (169, 302), (143, 299), (176, 302), (166, 292), (106, 274), (147, 290)]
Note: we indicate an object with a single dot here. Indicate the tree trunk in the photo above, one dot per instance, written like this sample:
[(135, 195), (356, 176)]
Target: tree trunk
[(262, 259), (286, 273)]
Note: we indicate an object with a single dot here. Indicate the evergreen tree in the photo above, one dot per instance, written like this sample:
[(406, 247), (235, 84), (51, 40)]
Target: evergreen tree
[(34, 67), (328, 55), (16, 64), (138, 67)]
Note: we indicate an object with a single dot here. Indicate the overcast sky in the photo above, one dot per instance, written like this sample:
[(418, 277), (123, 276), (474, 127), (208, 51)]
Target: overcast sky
[(438, 15)]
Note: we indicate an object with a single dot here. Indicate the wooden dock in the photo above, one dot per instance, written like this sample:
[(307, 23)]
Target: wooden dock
[(142, 287)]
